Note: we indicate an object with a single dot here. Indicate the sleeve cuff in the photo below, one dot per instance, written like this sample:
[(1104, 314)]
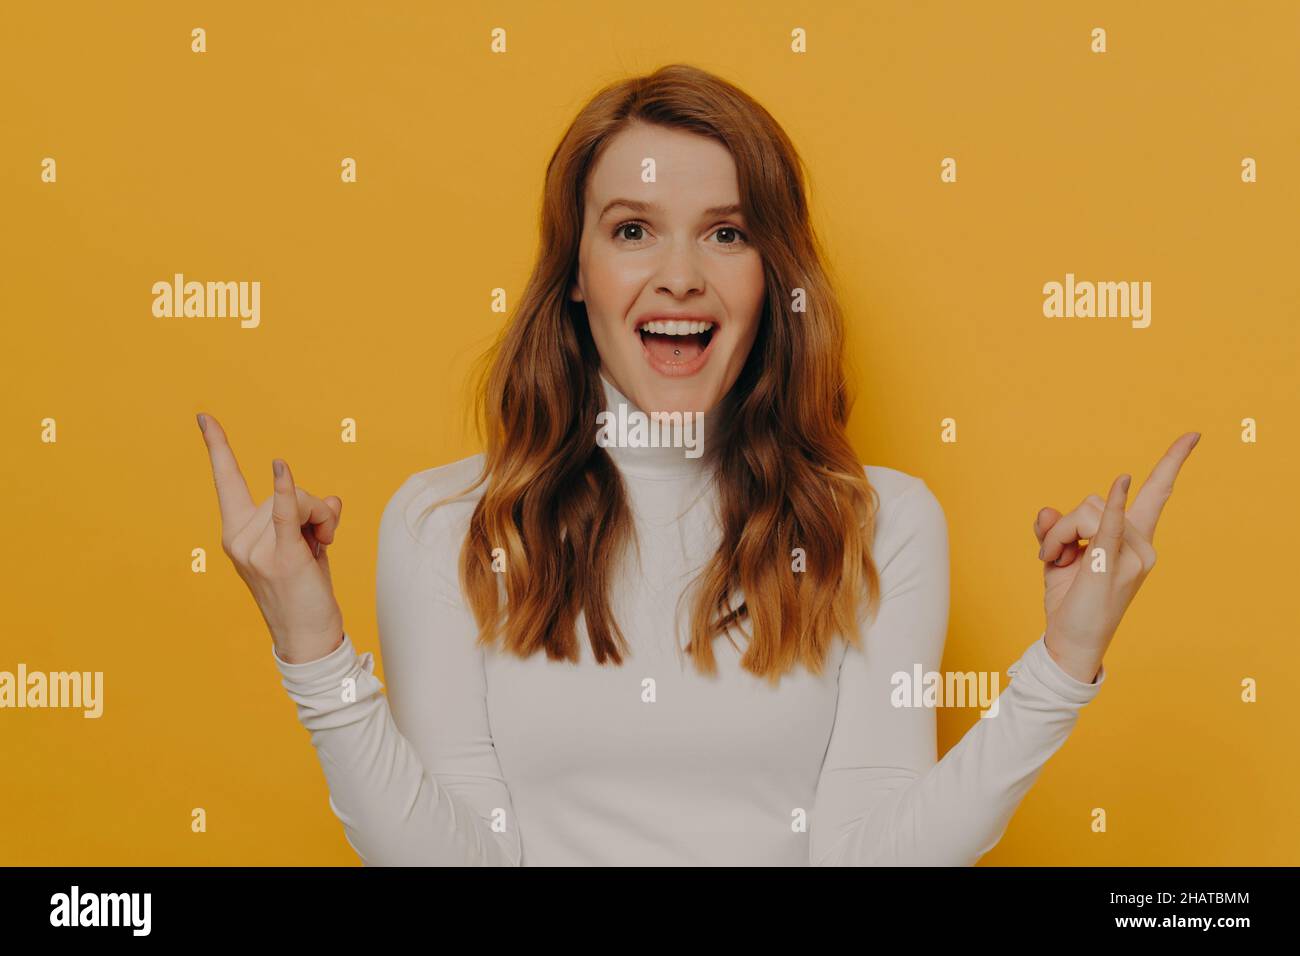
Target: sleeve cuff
[(1044, 670), (328, 669)]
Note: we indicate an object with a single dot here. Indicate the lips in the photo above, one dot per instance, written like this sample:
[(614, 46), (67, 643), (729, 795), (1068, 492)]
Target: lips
[(676, 355)]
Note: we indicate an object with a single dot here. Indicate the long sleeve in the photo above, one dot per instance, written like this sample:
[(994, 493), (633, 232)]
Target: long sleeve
[(412, 775), (882, 797)]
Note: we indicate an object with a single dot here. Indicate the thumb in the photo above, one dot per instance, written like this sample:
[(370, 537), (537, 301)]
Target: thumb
[(284, 508)]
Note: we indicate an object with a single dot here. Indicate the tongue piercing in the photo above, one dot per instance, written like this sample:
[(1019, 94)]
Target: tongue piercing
[(677, 351)]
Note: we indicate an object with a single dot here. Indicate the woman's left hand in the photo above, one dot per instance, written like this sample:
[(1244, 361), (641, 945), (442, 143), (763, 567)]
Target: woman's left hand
[(1086, 594)]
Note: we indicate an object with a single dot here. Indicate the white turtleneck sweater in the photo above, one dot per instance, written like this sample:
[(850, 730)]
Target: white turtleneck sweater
[(475, 757)]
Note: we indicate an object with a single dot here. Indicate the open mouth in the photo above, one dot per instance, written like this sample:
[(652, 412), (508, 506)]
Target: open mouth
[(676, 345)]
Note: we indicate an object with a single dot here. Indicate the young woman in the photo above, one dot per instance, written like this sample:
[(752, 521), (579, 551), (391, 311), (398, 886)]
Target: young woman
[(617, 654)]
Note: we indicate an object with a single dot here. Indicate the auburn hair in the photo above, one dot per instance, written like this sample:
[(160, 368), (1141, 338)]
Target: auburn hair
[(786, 475)]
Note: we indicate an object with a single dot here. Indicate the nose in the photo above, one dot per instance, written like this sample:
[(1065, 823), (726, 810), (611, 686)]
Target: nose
[(679, 270)]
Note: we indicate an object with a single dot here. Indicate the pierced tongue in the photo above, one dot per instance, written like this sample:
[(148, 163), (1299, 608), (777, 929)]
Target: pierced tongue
[(674, 349)]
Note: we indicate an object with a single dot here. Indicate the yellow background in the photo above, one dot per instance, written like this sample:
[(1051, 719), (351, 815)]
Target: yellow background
[(1123, 166)]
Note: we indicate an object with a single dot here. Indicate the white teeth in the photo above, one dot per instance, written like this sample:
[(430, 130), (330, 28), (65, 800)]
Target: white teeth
[(672, 327)]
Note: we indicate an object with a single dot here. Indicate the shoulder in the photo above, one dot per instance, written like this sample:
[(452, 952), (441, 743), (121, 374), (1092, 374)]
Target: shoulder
[(407, 513), (907, 509), (897, 490)]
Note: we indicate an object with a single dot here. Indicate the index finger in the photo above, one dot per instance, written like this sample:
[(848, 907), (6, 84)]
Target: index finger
[(232, 491), (1155, 491)]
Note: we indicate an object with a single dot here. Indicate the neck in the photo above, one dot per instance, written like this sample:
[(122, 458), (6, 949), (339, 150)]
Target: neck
[(631, 434)]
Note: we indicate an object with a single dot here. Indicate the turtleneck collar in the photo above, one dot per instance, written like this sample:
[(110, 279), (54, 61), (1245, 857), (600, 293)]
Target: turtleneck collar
[(666, 462)]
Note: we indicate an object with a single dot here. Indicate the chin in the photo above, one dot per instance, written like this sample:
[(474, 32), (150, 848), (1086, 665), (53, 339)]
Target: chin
[(657, 394)]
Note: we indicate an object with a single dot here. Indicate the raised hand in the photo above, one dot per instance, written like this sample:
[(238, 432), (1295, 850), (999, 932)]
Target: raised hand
[(1088, 588), (279, 549)]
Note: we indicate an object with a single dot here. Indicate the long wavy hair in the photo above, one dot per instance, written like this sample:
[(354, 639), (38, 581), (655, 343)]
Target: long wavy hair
[(786, 475)]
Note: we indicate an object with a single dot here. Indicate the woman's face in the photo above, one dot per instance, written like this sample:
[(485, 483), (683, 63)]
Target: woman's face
[(674, 251)]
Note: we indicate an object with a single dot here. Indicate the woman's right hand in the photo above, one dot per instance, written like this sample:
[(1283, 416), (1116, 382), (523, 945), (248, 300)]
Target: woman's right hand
[(279, 549)]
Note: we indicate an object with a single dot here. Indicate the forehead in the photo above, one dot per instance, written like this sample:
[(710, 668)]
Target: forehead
[(692, 171)]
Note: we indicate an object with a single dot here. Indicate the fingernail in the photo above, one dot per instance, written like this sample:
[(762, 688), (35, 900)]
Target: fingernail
[(1195, 440), (1124, 482), (203, 422), (1042, 552), (277, 466)]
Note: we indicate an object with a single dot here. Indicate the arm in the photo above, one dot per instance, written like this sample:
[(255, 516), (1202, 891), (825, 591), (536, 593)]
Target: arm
[(882, 799), (413, 775)]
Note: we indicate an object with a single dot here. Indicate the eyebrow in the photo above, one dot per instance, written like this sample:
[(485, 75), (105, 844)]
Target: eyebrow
[(638, 206)]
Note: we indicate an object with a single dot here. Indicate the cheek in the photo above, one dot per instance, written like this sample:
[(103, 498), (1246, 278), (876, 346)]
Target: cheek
[(595, 287), (746, 301), (757, 283), (607, 273), (744, 280)]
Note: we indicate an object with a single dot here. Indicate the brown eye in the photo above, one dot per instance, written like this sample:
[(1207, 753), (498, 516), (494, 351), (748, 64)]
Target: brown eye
[(628, 225)]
